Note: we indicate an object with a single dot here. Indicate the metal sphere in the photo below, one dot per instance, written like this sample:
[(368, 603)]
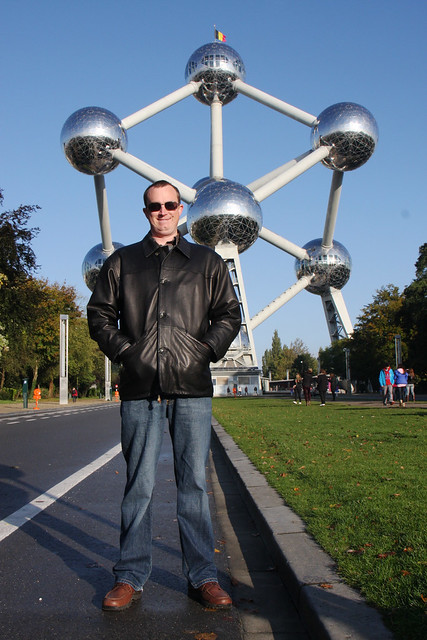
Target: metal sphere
[(224, 212), (86, 137), (216, 65), (331, 267), (351, 131), (93, 262), (202, 182)]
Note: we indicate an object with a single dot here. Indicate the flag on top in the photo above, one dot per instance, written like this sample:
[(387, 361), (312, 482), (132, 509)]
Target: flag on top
[(219, 36)]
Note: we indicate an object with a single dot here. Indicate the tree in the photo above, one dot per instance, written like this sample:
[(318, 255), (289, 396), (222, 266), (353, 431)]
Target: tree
[(272, 357), (17, 258), (373, 341), (17, 263), (49, 302), (286, 361), (372, 344), (413, 316), (85, 360), (332, 358)]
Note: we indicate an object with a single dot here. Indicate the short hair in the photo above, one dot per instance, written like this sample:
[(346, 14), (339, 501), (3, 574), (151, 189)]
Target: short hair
[(161, 183)]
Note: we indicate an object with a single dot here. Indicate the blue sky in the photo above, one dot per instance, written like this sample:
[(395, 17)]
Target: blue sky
[(58, 57)]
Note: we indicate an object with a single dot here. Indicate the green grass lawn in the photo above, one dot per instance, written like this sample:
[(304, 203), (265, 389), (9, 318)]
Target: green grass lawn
[(357, 476)]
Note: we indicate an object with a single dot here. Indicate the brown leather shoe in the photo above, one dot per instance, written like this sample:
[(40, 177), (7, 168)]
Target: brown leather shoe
[(211, 595), (120, 597)]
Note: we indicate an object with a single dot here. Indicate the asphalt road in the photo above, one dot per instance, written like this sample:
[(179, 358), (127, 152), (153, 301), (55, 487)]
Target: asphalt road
[(61, 482)]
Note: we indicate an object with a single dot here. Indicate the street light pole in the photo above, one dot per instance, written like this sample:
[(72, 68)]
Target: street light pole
[(347, 369)]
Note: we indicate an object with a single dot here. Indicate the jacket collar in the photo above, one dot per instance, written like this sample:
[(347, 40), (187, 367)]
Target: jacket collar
[(149, 246)]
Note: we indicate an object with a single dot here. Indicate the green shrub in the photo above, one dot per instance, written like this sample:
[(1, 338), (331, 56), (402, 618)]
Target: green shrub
[(7, 393)]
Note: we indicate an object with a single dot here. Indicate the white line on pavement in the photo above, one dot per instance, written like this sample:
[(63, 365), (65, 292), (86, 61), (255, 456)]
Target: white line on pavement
[(27, 512)]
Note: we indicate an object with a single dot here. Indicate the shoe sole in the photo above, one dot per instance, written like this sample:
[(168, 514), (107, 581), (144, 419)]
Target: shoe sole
[(136, 596)]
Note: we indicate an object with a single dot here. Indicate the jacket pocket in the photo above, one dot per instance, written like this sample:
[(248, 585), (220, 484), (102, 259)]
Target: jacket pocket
[(140, 360), (186, 369)]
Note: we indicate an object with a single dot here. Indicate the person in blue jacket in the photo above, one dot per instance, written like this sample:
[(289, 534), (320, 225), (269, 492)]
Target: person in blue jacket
[(400, 381), (386, 379)]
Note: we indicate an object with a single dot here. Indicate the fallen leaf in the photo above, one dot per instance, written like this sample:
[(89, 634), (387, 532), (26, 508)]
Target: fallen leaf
[(206, 636), (325, 585)]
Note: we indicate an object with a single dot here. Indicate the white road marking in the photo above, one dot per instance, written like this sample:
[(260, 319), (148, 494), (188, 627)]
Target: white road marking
[(29, 511)]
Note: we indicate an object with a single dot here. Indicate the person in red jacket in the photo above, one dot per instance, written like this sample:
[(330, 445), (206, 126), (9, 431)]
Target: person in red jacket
[(386, 379)]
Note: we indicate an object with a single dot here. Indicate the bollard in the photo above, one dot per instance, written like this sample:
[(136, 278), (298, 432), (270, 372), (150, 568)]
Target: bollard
[(37, 396)]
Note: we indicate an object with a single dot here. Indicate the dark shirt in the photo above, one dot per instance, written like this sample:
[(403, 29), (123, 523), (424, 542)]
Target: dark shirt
[(306, 379)]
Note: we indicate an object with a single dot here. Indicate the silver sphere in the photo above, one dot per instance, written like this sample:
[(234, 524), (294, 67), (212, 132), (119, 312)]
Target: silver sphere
[(216, 65), (93, 262), (224, 212), (331, 267), (351, 131), (202, 182), (86, 137)]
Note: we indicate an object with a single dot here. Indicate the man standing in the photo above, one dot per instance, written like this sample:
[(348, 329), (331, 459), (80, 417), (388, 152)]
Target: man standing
[(164, 309), (322, 386), (386, 379)]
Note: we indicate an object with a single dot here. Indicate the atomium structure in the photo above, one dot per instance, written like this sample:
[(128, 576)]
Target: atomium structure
[(226, 215)]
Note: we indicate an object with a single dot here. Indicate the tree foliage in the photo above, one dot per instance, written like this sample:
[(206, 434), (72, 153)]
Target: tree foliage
[(281, 361), (86, 363), (391, 313), (413, 316), (17, 258)]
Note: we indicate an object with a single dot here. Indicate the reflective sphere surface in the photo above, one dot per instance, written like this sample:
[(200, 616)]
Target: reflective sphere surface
[(216, 65), (351, 130), (87, 135), (93, 262), (331, 267), (224, 212)]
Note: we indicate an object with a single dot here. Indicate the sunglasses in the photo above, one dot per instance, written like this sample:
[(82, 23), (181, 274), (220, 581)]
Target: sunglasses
[(156, 206)]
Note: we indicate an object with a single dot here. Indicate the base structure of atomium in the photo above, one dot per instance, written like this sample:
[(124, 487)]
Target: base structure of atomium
[(226, 215)]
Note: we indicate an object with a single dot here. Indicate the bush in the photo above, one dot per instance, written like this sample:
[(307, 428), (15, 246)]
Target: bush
[(7, 393)]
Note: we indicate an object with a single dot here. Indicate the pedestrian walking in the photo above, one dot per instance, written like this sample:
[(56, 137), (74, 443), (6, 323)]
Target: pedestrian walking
[(400, 382), (307, 379), (322, 386), (297, 389), (334, 385), (410, 387), (386, 380)]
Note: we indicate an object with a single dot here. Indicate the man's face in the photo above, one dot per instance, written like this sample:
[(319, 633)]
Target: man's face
[(163, 223)]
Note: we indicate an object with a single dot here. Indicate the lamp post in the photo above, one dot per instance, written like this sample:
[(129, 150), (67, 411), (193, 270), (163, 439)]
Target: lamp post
[(347, 369), (398, 349), (63, 359)]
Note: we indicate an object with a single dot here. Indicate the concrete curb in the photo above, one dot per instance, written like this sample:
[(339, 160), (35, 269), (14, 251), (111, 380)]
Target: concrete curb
[(336, 612)]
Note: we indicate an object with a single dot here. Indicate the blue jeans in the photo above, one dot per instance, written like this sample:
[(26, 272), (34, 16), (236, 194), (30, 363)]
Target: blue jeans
[(143, 423)]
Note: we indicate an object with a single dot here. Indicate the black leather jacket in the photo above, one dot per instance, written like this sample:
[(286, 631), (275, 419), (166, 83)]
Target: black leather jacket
[(165, 318)]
